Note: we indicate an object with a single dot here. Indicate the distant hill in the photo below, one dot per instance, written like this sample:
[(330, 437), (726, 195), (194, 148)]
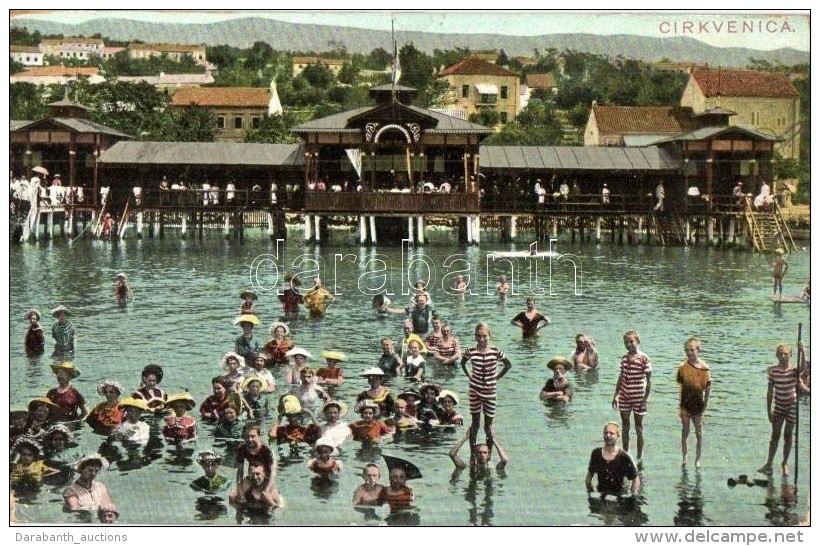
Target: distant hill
[(304, 37)]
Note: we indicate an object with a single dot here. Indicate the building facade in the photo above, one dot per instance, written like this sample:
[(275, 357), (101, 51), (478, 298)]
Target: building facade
[(477, 85), (236, 109), (26, 55), (176, 52), (73, 47), (300, 63), (764, 101)]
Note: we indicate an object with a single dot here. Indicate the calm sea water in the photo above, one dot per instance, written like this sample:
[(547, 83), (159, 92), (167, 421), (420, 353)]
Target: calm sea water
[(186, 298)]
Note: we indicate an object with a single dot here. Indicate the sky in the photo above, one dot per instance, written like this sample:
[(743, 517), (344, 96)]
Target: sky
[(767, 30)]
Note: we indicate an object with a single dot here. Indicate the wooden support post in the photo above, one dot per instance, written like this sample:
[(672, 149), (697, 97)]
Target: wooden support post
[(271, 230), (420, 229), (410, 229), (226, 229), (50, 225), (316, 225), (308, 228), (373, 230), (139, 224), (513, 228), (598, 229)]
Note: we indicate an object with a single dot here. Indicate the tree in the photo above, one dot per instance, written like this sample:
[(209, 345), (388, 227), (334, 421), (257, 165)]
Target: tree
[(416, 67), (487, 118), (318, 76), (502, 59), (26, 102), (274, 130), (536, 125), (191, 124), (378, 59), (348, 74), (259, 55), (15, 66)]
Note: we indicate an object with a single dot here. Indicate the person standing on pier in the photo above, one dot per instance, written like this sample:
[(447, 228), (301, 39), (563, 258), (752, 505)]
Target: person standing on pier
[(632, 389), (779, 271)]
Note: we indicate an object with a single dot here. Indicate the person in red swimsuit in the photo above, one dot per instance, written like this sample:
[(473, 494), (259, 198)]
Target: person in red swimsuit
[(397, 495), (71, 404)]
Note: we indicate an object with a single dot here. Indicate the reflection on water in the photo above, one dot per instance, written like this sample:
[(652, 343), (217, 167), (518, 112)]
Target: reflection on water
[(625, 511), (181, 318), (781, 503), (690, 507)]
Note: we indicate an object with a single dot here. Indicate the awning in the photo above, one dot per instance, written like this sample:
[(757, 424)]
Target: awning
[(487, 89)]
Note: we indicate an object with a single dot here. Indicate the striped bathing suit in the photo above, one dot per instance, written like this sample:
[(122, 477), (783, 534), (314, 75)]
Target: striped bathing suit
[(633, 383), (784, 382), (449, 352), (483, 379)]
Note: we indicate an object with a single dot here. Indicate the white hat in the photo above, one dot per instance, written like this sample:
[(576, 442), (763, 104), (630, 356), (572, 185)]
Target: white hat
[(298, 351), (276, 325), (372, 371), (223, 363)]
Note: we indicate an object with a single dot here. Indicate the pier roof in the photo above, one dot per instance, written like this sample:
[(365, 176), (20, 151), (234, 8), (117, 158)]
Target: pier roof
[(204, 153), (581, 158), (341, 122)]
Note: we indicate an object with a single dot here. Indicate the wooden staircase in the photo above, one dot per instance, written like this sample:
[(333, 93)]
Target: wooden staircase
[(668, 229), (767, 229)]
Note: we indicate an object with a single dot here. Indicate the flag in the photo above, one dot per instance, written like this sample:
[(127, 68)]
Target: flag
[(396, 67), (355, 156), (275, 106)]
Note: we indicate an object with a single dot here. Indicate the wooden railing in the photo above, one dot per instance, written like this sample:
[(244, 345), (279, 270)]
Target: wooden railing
[(392, 203)]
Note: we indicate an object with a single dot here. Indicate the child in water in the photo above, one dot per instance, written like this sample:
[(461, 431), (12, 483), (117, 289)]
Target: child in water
[(122, 291)]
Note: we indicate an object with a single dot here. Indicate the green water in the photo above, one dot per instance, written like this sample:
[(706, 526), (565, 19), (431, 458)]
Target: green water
[(186, 297)]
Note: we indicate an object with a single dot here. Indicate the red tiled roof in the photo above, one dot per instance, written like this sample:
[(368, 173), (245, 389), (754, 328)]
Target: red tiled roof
[(541, 81), (473, 66), (644, 119), (60, 70), (23, 49), (244, 97), (743, 83)]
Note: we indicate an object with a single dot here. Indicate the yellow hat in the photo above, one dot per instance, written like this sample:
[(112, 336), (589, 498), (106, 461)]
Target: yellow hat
[(134, 403), (248, 380), (333, 355), (556, 361), (67, 366), (181, 397)]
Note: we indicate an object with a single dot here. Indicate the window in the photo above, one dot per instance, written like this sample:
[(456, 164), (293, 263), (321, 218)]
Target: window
[(256, 121), (503, 114), (220, 122), (237, 122), (465, 91), (503, 91)]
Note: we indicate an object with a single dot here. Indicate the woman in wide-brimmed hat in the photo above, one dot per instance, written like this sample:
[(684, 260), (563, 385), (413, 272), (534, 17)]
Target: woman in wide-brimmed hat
[(376, 392), (557, 388), (211, 482), (299, 358), (153, 396), (62, 331), (71, 404), (247, 307), (449, 415), (132, 431), (234, 366), (245, 343), (335, 431), (331, 374), (86, 493), (30, 468), (59, 445), (256, 368), (41, 413), (107, 415), (278, 345), (178, 425), (35, 342)]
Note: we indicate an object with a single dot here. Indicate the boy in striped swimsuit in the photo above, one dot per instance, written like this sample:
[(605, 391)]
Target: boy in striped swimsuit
[(632, 390), (783, 392), (484, 378)]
